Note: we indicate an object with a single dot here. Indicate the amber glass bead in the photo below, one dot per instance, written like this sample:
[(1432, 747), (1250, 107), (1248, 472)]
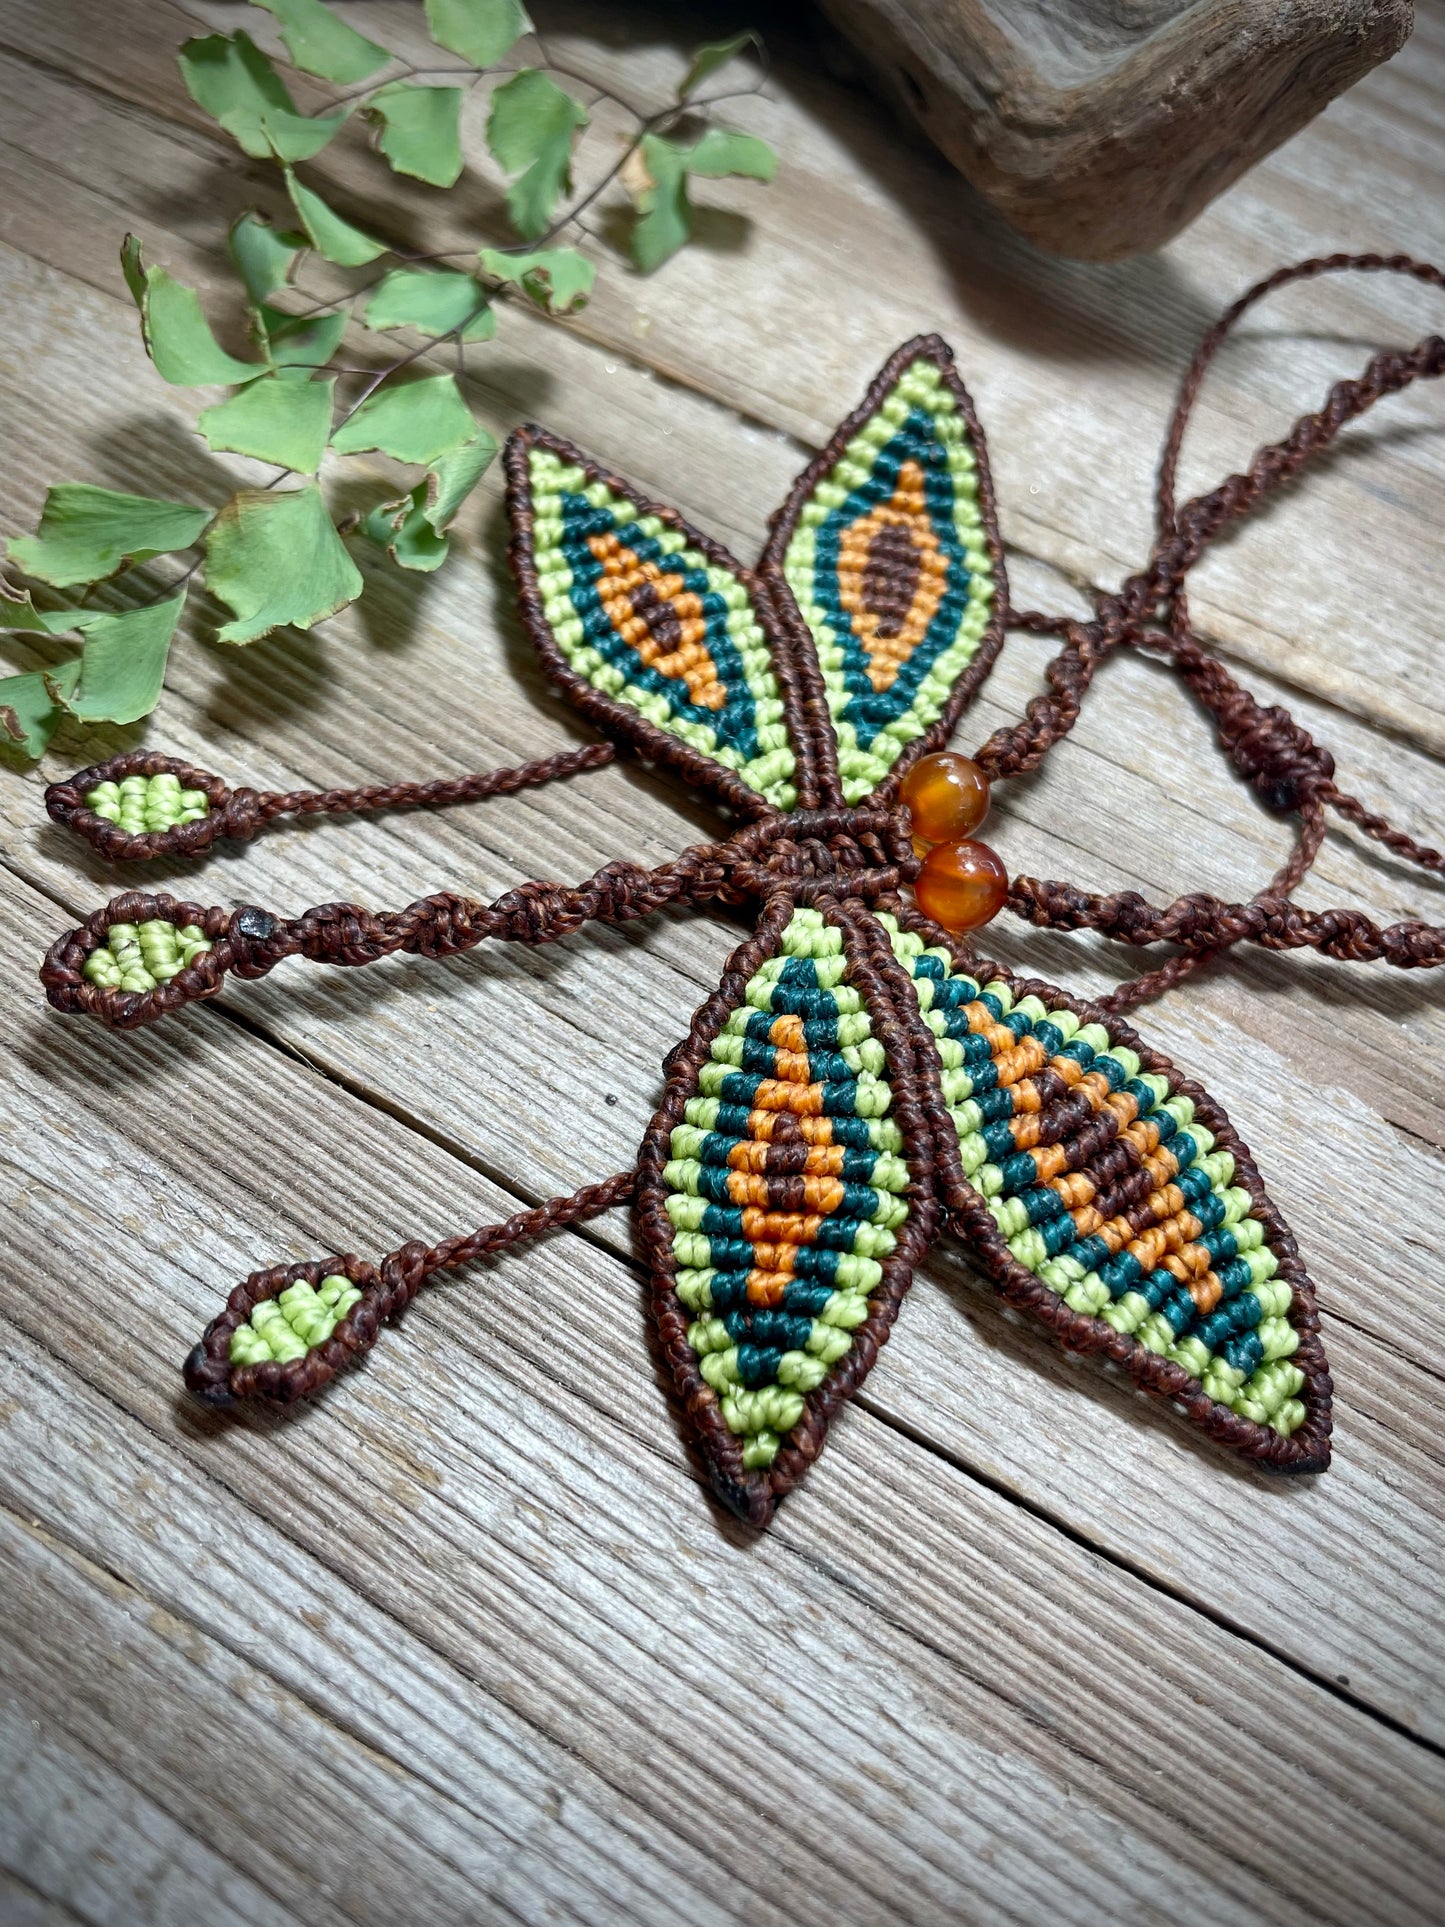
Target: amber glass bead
[(961, 885), (946, 796)]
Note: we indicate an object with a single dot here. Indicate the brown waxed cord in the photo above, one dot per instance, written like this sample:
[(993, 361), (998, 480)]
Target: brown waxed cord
[(237, 815), (1288, 769), (387, 1289)]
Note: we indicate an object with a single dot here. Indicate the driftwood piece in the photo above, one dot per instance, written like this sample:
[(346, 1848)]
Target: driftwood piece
[(1102, 127)]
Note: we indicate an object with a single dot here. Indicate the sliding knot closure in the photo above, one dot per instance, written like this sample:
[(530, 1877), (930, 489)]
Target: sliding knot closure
[(1271, 750)]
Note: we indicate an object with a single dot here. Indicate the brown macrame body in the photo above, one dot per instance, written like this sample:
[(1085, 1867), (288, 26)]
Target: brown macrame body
[(848, 862)]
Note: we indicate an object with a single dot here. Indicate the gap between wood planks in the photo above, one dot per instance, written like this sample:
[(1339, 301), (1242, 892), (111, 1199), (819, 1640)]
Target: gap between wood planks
[(525, 1199)]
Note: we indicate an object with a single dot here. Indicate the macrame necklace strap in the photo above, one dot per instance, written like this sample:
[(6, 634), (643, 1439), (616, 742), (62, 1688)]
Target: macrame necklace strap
[(144, 955), (1288, 769)]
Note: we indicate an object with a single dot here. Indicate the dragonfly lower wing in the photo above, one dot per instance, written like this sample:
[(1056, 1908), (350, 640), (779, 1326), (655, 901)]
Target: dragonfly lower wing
[(1111, 1197), (785, 1192)]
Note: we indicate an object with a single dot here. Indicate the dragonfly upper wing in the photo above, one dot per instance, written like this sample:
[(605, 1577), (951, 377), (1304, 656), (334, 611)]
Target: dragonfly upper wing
[(655, 632), (887, 552)]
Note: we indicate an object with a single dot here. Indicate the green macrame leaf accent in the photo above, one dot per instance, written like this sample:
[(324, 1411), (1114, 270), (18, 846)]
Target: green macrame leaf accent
[(786, 1188), (142, 805), (1190, 1275), (649, 620), (294, 1322), (888, 560), (141, 956)]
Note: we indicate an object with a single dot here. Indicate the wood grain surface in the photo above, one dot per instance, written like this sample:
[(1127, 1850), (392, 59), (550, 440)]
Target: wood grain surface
[(467, 1641)]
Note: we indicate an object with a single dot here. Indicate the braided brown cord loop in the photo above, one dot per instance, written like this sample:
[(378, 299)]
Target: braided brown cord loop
[(1203, 923), (812, 851), (236, 815), (1288, 770), (387, 1288)]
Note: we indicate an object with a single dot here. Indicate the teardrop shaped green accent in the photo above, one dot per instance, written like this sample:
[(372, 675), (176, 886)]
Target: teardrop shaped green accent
[(141, 956), (294, 1322), (141, 804)]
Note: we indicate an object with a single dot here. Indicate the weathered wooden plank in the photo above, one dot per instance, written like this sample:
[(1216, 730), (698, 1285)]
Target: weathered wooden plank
[(1100, 134), (90, 1844), (24, 1906), (1068, 361), (242, 1747), (875, 1709), (564, 1592)]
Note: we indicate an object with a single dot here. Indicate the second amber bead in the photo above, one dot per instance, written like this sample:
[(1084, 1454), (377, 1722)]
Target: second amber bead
[(961, 886)]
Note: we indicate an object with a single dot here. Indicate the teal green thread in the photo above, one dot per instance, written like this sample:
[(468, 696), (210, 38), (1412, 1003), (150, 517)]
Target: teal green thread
[(1237, 1339), (738, 719)]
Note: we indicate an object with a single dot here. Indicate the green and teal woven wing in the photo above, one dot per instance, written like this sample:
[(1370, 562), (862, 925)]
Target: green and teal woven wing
[(887, 553), (800, 1165), (1112, 1198), (655, 632), (785, 1194)]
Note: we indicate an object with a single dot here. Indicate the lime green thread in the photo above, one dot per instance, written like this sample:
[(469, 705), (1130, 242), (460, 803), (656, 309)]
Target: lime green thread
[(1154, 1308), (141, 804), (143, 956), (749, 736), (294, 1322)]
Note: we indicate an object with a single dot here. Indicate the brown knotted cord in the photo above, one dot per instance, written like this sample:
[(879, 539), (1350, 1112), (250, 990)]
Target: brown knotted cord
[(388, 1288), (1288, 769), (238, 814)]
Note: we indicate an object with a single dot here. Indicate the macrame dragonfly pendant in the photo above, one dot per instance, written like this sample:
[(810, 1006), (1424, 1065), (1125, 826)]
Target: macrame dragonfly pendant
[(856, 1085)]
